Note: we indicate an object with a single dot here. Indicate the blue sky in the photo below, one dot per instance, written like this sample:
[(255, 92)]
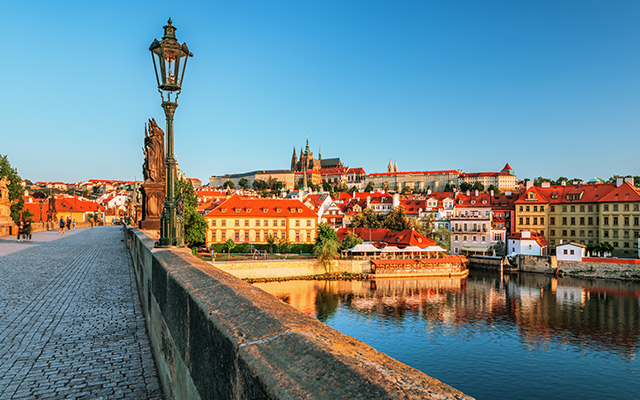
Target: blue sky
[(552, 87)]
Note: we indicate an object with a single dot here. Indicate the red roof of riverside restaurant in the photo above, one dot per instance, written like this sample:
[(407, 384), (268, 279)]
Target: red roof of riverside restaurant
[(403, 238), (261, 207), (415, 173)]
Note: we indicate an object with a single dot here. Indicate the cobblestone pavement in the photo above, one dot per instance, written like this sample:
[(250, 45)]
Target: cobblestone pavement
[(71, 324)]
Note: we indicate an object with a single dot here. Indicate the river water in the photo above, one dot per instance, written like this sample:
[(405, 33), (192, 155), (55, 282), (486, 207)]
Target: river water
[(519, 336)]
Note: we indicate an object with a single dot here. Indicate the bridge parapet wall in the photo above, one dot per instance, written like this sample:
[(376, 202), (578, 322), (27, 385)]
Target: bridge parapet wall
[(217, 337)]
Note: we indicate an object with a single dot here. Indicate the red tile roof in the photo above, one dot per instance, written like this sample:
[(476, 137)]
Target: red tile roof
[(400, 239), (542, 242), (237, 206)]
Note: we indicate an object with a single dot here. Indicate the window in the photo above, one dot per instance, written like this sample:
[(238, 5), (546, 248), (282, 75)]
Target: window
[(626, 234), (573, 233), (635, 220), (615, 234), (237, 235), (484, 238), (223, 222), (590, 221), (213, 236), (606, 207), (266, 222), (308, 222), (573, 208), (541, 220), (571, 252), (564, 232), (626, 207), (553, 220), (541, 208), (573, 220), (552, 232), (626, 244), (606, 221), (246, 236), (527, 220), (553, 208), (615, 244), (224, 235), (581, 220), (581, 208), (582, 232), (564, 220), (297, 223), (564, 251), (636, 207), (475, 238), (520, 220), (606, 234), (564, 208), (615, 220), (237, 222), (246, 222), (297, 236), (615, 207), (257, 222), (590, 233), (213, 222), (535, 220), (283, 222), (626, 221), (535, 208)]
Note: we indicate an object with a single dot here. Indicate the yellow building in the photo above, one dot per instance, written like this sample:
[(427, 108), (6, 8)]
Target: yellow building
[(253, 220), (585, 214)]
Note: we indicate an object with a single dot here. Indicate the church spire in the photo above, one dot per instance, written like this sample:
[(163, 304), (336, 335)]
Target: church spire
[(294, 160), (319, 152), (307, 147), (390, 167)]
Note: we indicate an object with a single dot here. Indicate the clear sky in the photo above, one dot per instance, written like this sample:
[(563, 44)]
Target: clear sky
[(552, 87)]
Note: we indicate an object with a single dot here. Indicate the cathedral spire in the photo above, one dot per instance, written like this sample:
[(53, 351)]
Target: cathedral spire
[(319, 152), (307, 146), (390, 167)]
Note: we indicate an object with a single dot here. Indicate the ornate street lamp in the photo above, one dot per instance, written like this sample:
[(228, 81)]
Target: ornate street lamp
[(169, 61)]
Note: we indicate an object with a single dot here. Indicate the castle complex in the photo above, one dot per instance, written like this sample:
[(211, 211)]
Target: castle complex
[(308, 163)]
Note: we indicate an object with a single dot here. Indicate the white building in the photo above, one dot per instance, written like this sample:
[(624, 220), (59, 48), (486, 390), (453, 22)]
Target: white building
[(472, 230), (570, 252), (526, 242)]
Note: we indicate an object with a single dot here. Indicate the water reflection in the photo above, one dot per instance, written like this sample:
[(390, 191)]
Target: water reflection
[(601, 314)]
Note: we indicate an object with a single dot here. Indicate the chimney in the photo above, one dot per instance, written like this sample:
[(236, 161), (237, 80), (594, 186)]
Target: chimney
[(491, 192), (396, 200), (563, 183), (529, 185), (526, 234), (476, 193), (619, 182), (468, 193), (629, 179), (546, 184), (368, 200), (429, 189), (508, 193)]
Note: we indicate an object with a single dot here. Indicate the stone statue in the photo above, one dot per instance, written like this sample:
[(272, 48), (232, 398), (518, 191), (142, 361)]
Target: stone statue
[(4, 188), (153, 168), (51, 212)]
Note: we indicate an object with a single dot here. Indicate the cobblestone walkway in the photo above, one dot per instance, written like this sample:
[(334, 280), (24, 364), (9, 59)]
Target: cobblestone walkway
[(71, 325)]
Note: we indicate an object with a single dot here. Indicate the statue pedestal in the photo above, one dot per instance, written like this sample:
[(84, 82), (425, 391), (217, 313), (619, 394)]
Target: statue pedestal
[(5, 217), (152, 205)]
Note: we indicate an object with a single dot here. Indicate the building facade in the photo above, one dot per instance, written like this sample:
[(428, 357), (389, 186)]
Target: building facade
[(255, 220)]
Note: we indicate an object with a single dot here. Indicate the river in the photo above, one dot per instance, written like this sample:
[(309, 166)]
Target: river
[(519, 336)]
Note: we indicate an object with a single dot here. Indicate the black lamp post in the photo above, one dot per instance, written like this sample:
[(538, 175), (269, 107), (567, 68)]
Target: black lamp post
[(169, 61)]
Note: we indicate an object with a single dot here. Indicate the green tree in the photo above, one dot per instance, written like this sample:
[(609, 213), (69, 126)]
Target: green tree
[(365, 219), (496, 191), (229, 185), (326, 252), (448, 187), (27, 216), (369, 187), (271, 240), (464, 186), (538, 181), (442, 236), (284, 246), (15, 188), (349, 241), (195, 225), (243, 183), (325, 232), (396, 220), (229, 245), (478, 186), (425, 225), (500, 248), (559, 180)]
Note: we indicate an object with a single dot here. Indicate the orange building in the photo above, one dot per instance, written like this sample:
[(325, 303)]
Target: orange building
[(253, 220)]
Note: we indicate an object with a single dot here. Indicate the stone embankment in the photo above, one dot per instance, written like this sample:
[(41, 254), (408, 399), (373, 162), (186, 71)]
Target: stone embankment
[(265, 269), (215, 336), (607, 268)]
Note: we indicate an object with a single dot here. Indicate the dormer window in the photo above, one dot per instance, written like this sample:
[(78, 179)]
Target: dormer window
[(459, 201), (224, 210), (300, 209), (473, 202), (264, 210), (248, 210), (278, 210), (237, 210), (484, 201)]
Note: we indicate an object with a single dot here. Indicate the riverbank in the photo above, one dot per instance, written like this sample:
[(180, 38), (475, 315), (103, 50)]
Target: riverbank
[(604, 268)]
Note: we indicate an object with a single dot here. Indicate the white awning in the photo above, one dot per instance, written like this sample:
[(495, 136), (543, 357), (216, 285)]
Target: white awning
[(363, 248), (391, 249)]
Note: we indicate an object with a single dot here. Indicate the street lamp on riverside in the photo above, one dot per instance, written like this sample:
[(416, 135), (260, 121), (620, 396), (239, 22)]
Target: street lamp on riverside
[(169, 61)]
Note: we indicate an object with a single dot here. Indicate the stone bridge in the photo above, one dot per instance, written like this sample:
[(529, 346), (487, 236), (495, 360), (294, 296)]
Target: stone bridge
[(72, 325)]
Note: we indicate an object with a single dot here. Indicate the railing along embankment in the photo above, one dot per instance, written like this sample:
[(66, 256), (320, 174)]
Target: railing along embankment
[(217, 337)]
